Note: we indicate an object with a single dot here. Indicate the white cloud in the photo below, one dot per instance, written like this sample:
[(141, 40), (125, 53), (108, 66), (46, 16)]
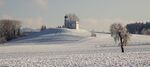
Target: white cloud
[(41, 3)]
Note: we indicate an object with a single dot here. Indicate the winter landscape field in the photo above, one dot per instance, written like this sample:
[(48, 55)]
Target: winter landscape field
[(74, 48)]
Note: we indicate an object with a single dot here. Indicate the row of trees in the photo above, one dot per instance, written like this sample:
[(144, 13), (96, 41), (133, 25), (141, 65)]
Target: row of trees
[(139, 28), (43, 27), (9, 29)]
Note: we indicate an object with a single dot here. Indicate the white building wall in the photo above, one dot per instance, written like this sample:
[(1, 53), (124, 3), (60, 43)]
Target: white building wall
[(77, 25)]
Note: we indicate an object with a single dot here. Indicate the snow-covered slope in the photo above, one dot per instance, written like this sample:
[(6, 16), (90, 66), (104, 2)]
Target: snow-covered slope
[(53, 35), (57, 47)]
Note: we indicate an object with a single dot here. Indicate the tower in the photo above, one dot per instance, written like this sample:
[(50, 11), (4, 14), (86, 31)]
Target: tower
[(65, 21), (71, 21)]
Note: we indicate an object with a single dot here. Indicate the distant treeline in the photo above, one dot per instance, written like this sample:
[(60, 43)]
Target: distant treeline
[(139, 28)]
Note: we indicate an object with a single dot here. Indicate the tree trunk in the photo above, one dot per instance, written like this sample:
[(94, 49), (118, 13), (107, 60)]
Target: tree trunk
[(122, 49)]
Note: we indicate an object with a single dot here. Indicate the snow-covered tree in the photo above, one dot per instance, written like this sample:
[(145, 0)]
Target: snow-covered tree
[(9, 29), (146, 31), (72, 17), (2, 40), (120, 33)]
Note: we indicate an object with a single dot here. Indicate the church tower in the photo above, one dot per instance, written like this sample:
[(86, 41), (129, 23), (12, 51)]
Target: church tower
[(71, 21)]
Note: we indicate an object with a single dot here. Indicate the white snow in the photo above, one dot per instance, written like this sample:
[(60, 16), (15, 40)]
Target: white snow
[(74, 48)]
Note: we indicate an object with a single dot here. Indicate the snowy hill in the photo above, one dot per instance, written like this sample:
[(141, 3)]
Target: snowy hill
[(63, 35), (53, 35), (68, 48)]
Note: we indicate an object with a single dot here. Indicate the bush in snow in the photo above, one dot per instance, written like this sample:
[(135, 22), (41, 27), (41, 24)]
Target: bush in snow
[(93, 34), (119, 33), (3, 40)]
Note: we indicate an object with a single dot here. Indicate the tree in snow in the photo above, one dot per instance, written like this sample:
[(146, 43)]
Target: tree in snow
[(72, 17), (120, 33), (9, 29), (43, 27), (145, 31)]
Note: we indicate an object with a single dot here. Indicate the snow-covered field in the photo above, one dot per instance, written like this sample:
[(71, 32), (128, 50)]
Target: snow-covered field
[(71, 48)]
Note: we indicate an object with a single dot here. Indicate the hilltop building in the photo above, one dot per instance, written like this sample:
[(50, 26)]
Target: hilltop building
[(71, 21)]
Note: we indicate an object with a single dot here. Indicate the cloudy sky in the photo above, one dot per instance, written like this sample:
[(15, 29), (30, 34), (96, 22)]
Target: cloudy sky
[(93, 14)]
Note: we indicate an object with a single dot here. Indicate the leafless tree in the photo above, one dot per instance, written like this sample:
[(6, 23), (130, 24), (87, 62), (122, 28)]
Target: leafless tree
[(120, 33), (9, 29)]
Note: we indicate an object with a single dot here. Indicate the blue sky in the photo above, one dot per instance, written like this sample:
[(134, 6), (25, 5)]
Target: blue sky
[(93, 14)]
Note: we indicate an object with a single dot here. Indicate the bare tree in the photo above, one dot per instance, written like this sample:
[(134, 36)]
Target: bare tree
[(9, 29), (120, 33)]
